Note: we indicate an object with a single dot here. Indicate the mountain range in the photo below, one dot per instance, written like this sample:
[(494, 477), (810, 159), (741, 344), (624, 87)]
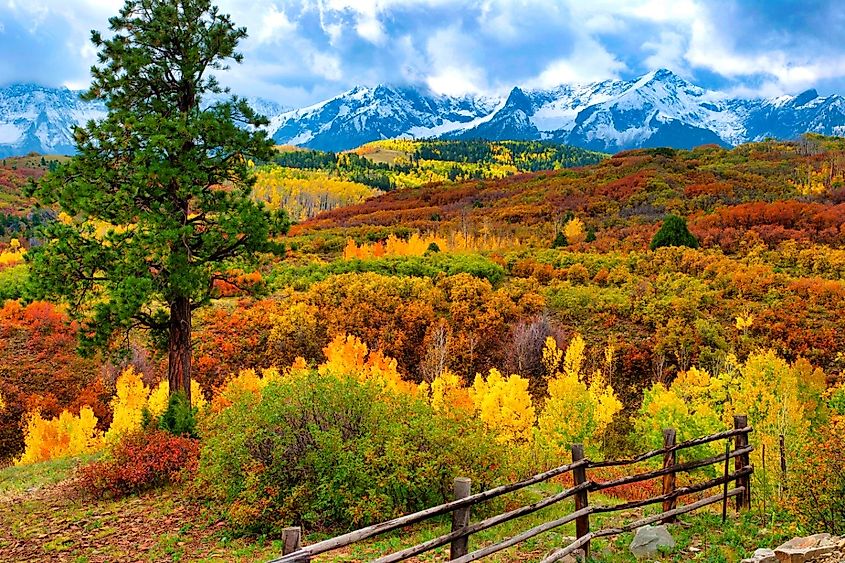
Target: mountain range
[(657, 109)]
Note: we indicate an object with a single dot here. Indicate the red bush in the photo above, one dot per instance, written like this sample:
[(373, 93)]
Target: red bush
[(141, 461)]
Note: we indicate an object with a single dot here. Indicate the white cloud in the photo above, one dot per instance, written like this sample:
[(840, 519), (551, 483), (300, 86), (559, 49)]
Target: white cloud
[(453, 71), (588, 62), (667, 52), (274, 27)]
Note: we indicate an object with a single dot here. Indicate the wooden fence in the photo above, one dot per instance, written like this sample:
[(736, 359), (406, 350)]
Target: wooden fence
[(460, 508)]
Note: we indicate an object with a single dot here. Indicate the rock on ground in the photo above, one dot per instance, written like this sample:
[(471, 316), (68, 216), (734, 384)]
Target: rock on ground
[(818, 548), (649, 539)]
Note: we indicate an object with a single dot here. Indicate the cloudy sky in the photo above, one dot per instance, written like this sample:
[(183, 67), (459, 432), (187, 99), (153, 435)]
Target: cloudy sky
[(300, 52)]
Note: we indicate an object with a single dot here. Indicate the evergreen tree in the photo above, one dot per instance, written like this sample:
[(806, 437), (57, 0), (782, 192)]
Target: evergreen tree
[(159, 192), (673, 232), (560, 241)]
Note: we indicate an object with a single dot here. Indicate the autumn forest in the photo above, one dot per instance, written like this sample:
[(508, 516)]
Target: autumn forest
[(250, 337)]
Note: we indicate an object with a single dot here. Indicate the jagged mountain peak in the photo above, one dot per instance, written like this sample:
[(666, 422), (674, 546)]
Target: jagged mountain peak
[(660, 107)]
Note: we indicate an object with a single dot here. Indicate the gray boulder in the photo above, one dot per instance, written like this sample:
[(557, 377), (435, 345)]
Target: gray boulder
[(649, 539), (798, 550)]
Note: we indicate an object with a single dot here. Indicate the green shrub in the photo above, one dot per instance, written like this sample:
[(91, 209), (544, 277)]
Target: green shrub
[(327, 452), (560, 241), (180, 417), (14, 282)]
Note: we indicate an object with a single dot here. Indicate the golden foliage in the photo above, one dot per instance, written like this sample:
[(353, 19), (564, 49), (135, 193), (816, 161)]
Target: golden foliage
[(159, 396), (574, 412), (448, 394), (64, 436), (348, 356), (304, 193), (12, 256), (417, 245), (574, 231), (504, 405), (127, 404), (246, 381)]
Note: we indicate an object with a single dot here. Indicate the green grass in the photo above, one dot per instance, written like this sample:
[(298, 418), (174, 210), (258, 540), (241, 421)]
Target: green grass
[(16, 479), (83, 530), (700, 536)]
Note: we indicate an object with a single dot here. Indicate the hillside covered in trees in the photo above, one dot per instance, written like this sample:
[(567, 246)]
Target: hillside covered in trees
[(327, 340)]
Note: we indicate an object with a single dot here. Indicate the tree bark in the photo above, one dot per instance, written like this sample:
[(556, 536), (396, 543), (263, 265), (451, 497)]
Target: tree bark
[(179, 347)]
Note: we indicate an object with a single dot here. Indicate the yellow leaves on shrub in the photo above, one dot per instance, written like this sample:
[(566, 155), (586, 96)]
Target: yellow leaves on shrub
[(65, 436), (744, 322), (574, 357), (778, 398), (504, 405), (348, 356), (448, 394), (574, 231), (574, 411), (13, 256), (159, 396), (417, 245), (246, 381), (127, 404)]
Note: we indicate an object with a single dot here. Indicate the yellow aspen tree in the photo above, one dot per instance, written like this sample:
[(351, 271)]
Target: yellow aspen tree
[(574, 411), (504, 406), (575, 231), (127, 404), (64, 436), (448, 394), (160, 394)]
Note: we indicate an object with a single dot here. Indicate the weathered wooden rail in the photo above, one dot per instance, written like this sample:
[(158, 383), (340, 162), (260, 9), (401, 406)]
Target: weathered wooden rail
[(460, 508)]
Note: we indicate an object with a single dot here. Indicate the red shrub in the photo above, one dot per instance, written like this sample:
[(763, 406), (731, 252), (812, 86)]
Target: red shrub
[(141, 461)]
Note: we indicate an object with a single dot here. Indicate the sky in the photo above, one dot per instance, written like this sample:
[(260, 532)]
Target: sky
[(302, 52)]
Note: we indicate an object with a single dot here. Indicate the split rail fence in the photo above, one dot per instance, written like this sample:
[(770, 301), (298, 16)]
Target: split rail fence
[(736, 447)]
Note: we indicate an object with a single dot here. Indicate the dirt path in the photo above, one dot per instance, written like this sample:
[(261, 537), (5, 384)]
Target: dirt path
[(55, 523)]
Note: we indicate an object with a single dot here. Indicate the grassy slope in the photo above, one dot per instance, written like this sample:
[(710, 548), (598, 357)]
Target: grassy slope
[(41, 518)]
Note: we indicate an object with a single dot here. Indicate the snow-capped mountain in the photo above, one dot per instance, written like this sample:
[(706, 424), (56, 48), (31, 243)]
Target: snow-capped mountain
[(366, 114), (657, 109), (39, 119), (33, 118)]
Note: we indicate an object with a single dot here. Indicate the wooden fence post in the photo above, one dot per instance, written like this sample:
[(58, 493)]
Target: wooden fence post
[(579, 475), (743, 500), (669, 459), (460, 517), (291, 540)]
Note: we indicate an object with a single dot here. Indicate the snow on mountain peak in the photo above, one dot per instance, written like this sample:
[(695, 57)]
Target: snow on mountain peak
[(658, 108)]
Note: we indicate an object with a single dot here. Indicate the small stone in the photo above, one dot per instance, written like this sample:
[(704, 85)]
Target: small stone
[(693, 550), (649, 539), (762, 555)]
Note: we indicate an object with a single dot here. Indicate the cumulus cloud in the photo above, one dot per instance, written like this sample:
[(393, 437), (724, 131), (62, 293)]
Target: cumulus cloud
[(301, 51)]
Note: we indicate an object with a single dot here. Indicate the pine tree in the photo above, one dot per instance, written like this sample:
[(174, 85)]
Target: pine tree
[(673, 232), (560, 241), (160, 188)]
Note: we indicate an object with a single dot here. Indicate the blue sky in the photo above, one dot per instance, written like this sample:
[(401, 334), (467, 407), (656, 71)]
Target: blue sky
[(300, 52)]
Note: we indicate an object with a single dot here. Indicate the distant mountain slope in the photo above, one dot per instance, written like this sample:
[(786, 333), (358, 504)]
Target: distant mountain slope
[(37, 119), (657, 109)]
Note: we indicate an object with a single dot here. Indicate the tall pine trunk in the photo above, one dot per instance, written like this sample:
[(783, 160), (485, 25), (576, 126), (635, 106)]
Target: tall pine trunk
[(179, 347)]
